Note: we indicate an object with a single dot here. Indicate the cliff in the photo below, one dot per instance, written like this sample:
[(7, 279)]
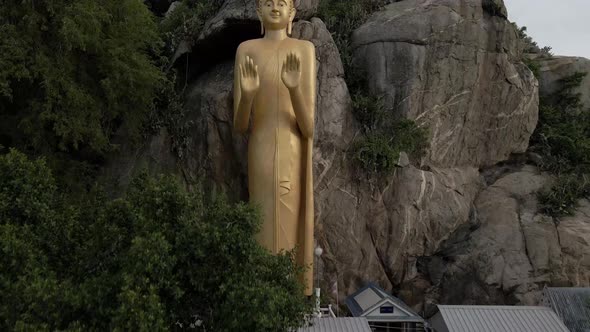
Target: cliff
[(462, 224)]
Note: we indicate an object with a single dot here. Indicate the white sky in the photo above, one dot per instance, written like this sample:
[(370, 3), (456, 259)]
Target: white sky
[(562, 24)]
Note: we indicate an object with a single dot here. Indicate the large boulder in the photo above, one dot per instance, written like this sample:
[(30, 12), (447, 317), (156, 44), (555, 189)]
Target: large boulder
[(375, 231), (514, 250), (574, 238), (555, 68), (455, 69)]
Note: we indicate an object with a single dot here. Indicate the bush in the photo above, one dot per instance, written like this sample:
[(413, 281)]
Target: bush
[(376, 154), (368, 110), (157, 259), (378, 151), (562, 137), (385, 136), (533, 65), (531, 46), (562, 197)]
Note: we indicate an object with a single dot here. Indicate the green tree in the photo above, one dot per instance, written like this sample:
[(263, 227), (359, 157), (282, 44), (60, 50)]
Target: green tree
[(72, 73), (158, 258)]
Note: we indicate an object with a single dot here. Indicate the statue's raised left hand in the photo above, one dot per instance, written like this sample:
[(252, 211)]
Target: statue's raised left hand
[(291, 73)]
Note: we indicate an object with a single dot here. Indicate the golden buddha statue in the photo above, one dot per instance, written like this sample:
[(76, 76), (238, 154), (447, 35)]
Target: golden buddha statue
[(275, 82)]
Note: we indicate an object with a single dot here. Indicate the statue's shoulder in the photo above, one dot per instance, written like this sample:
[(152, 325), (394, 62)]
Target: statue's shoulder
[(248, 45), (306, 47), (304, 44)]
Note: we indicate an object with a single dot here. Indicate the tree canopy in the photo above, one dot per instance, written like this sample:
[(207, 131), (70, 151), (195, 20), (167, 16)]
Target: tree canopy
[(72, 73), (158, 258)]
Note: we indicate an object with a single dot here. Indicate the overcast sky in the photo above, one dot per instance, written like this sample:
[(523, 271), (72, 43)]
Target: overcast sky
[(562, 24)]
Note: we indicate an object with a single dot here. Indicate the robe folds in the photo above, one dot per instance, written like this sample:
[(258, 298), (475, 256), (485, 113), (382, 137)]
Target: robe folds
[(280, 177)]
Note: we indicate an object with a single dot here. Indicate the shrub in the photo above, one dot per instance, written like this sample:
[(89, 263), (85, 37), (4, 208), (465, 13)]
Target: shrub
[(378, 151), (562, 137), (376, 154), (531, 46), (533, 65), (342, 17), (562, 197)]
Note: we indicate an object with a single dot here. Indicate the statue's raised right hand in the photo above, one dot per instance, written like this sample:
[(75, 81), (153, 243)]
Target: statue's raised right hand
[(249, 80)]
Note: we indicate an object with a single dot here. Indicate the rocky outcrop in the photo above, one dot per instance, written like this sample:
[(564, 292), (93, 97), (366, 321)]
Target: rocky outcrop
[(574, 237), (455, 69), (514, 250), (555, 68), (460, 226), (357, 219)]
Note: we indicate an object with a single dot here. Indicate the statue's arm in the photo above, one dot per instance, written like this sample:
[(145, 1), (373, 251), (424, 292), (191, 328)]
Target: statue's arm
[(303, 97), (242, 104)]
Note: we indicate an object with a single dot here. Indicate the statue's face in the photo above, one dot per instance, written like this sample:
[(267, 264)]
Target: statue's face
[(275, 14)]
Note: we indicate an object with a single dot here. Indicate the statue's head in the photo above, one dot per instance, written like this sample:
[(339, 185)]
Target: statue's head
[(276, 14)]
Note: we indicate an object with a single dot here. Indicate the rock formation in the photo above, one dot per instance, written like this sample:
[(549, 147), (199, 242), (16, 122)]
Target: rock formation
[(555, 68), (459, 226), (456, 70)]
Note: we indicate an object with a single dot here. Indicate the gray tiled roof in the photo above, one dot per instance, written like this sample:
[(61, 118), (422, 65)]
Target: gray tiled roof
[(469, 318), (572, 305), (343, 324)]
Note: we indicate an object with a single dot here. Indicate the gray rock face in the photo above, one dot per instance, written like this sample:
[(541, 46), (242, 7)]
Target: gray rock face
[(499, 269), (574, 237), (454, 69), (558, 67), (376, 232), (515, 250)]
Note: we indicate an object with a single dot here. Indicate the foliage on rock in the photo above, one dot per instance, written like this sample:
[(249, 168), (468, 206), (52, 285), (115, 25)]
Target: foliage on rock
[(562, 198), (156, 259), (531, 46), (385, 137), (186, 20), (562, 138), (342, 17)]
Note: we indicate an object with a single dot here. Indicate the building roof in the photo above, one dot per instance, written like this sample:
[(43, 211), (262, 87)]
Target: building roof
[(469, 318), (372, 296), (343, 324), (571, 305)]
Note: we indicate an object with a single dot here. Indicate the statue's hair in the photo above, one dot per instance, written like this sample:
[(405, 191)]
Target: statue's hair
[(259, 3)]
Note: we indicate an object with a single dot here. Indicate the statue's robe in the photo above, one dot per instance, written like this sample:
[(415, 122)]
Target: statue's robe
[(280, 176)]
